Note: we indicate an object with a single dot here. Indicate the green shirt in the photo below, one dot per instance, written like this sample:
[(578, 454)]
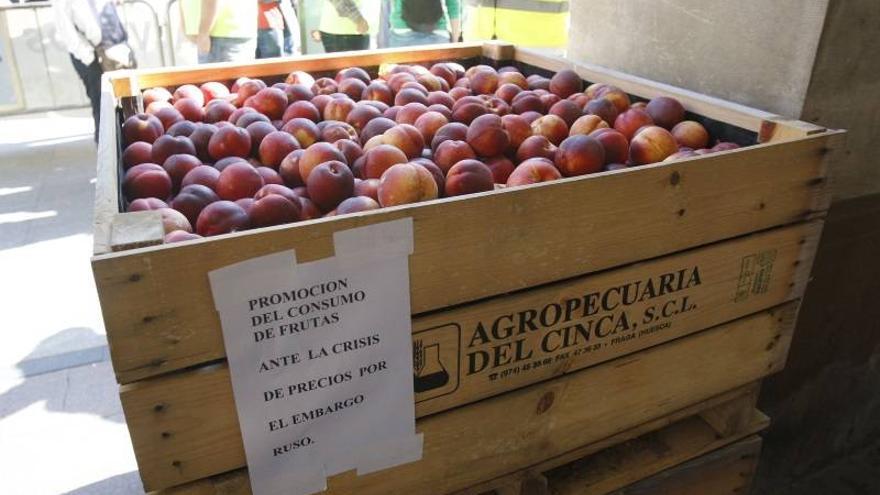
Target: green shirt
[(452, 8)]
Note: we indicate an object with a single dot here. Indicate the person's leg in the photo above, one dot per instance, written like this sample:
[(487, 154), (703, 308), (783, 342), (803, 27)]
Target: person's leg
[(233, 49), (269, 43), (90, 75), (352, 42)]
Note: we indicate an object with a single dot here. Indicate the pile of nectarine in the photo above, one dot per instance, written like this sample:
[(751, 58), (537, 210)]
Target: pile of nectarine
[(215, 158)]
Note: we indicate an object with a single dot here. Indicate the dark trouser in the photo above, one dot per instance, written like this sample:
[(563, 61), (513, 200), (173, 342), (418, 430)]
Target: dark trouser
[(269, 42), (344, 42), (90, 75)]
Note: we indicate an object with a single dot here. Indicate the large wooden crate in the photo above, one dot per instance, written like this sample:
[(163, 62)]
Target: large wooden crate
[(726, 242)]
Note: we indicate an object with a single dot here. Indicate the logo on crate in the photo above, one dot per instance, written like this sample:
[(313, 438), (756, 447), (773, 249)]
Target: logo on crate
[(436, 361), (754, 274)]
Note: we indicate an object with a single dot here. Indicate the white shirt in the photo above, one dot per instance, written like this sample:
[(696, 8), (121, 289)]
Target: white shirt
[(77, 27)]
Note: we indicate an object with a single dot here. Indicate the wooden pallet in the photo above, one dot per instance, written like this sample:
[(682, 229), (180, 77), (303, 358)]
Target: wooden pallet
[(733, 233)]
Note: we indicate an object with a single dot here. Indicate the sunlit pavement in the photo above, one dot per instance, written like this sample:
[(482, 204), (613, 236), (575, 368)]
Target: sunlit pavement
[(61, 425)]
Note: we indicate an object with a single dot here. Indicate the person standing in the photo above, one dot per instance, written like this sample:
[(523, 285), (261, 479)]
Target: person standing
[(532, 23), (270, 29), (223, 30), (343, 26), (94, 35), (424, 22)]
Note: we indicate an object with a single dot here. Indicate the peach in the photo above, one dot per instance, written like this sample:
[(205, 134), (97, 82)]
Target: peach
[(487, 136), (298, 92), (440, 98), (690, 134), (375, 127), (229, 141), (587, 124), (501, 168), (436, 173), (508, 92), (222, 163), (214, 90), (174, 220), (321, 101), (484, 82), (146, 180), (391, 112), (467, 177), (192, 199), (552, 127), (221, 217), (367, 187), (615, 144), (616, 96), (249, 118), (651, 144), (459, 93), (317, 154), (443, 71), (258, 131), (361, 115), (278, 189), (678, 155), (410, 95), (275, 146), (536, 81), (329, 184), (526, 101), (238, 180), (548, 100), (352, 87), (378, 91), (156, 106), (182, 128), (724, 146), (300, 77), (350, 148), (452, 131), (536, 147), (639, 104), (169, 116), (245, 203), (338, 109), (234, 116), (188, 91), (136, 153), (450, 152), (190, 109), (406, 138), (628, 122), (324, 86), (180, 236), (379, 159), (218, 110), (410, 112), (432, 82), (565, 83), (533, 171), (579, 99), (335, 130), (289, 169), (468, 111), (567, 110), (178, 166), (167, 145), (353, 73), (416, 86), (580, 155), (156, 94), (142, 127), (442, 110), (665, 111), (429, 123), (144, 204), (405, 183), (356, 204), (205, 175), (274, 209), (530, 117), (604, 109), (517, 129), (301, 109), (513, 77), (303, 130)]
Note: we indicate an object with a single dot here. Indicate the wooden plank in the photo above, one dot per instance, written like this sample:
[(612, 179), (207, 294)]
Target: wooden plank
[(627, 463), (136, 229), (781, 128), (728, 471), (107, 179), (620, 217), (517, 429), (732, 416), (715, 108), (734, 282), (174, 76)]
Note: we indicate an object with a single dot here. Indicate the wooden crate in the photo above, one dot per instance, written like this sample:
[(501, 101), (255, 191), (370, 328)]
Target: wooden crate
[(725, 240)]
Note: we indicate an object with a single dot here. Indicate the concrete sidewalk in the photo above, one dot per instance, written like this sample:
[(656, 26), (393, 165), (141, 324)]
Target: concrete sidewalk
[(61, 425)]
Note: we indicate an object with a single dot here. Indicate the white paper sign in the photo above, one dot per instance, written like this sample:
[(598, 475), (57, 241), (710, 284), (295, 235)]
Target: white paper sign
[(320, 355)]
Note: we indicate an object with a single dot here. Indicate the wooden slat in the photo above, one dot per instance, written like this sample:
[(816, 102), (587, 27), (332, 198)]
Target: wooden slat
[(648, 455), (732, 416), (477, 246), (106, 198), (136, 229), (725, 271), (518, 428), (728, 471), (174, 76)]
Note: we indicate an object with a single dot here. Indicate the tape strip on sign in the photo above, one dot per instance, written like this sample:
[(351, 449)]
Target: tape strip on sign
[(320, 356)]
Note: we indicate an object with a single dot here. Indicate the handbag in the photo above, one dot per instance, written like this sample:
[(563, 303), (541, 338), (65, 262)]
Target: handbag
[(113, 52)]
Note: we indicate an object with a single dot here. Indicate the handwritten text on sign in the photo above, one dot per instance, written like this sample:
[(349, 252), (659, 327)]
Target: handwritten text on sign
[(320, 355)]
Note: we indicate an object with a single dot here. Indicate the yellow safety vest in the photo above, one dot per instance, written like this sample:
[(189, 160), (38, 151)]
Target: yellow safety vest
[(534, 23), (235, 18), (333, 23)]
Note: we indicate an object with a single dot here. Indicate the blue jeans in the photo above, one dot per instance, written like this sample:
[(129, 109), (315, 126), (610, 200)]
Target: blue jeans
[(410, 38), (269, 42), (229, 50)]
